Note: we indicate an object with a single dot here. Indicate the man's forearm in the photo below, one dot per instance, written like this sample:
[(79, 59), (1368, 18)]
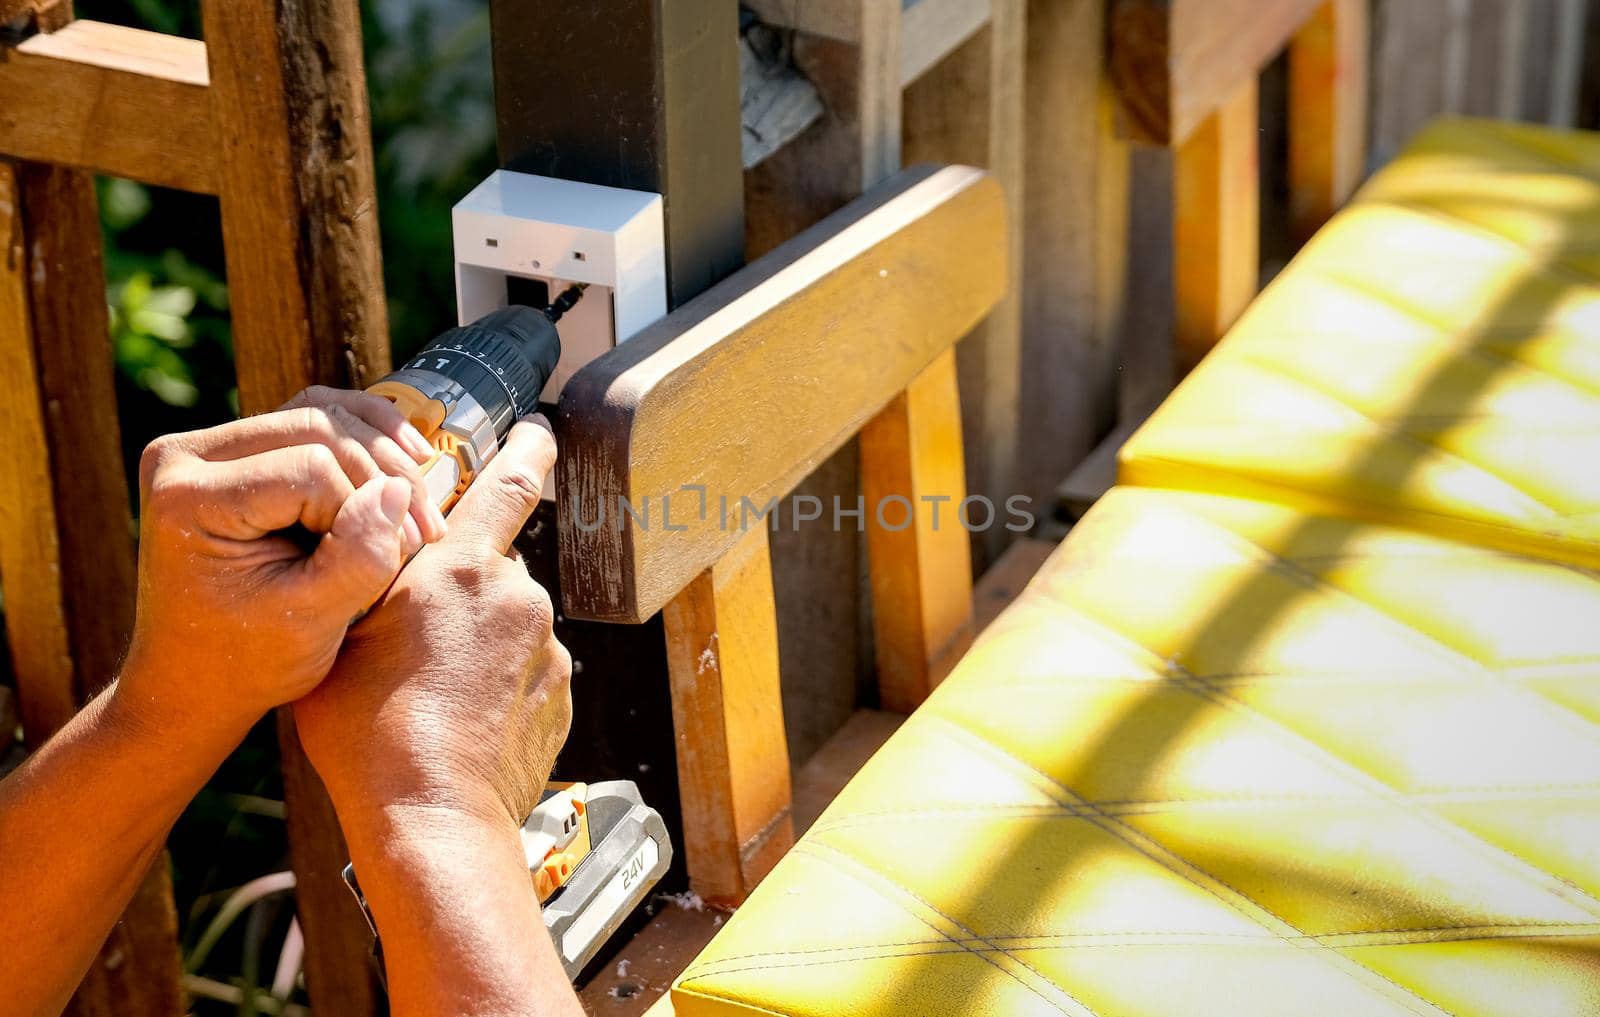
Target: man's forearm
[(424, 871), (80, 823)]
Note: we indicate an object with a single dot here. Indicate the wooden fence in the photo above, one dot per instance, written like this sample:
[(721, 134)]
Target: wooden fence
[(269, 114)]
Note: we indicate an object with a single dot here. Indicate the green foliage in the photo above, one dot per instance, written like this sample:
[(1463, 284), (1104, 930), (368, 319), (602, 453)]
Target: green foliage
[(161, 304)]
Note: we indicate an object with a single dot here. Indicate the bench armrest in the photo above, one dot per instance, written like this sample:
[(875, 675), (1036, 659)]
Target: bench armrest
[(745, 389)]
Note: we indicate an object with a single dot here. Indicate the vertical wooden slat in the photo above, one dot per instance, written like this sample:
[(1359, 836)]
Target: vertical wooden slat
[(66, 549), (305, 283), (30, 547), (727, 717), (1564, 69), (1075, 238), (1327, 113), (913, 476), (1419, 67), (857, 143), (968, 109), (1216, 232)]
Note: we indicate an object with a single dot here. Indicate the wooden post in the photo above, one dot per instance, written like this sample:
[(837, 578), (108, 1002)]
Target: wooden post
[(641, 94), (912, 474), (299, 223), (727, 717), (66, 550), (1216, 230), (1327, 113)]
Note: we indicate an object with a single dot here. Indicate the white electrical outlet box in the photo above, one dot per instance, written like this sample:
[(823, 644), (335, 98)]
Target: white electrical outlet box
[(560, 232)]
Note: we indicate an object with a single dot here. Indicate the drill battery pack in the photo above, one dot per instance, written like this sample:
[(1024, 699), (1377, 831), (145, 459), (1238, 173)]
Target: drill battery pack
[(595, 851)]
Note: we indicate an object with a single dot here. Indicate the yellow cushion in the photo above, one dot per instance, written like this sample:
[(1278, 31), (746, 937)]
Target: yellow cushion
[(1432, 358), (1219, 758)]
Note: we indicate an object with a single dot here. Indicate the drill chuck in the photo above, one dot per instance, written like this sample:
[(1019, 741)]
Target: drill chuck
[(466, 388), (502, 361)]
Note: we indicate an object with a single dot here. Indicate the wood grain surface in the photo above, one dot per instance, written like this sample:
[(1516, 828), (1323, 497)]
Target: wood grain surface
[(1076, 246), (1216, 224), (299, 222), (1174, 62), (727, 719), (1327, 113), (913, 477), (121, 101)]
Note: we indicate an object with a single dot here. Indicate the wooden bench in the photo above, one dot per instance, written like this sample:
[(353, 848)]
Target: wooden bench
[(724, 406), (1309, 721)]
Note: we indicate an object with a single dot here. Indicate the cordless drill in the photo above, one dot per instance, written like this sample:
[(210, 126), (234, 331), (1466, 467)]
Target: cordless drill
[(466, 388), (593, 850)]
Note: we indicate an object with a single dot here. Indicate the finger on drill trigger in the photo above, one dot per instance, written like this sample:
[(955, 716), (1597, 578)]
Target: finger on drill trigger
[(385, 419), (245, 499), (375, 410), (365, 547), (364, 451), (425, 517), (494, 510)]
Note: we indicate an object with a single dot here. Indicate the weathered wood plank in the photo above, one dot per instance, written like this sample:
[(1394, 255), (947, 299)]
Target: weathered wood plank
[(968, 109), (1419, 67), (1075, 237), (913, 477), (66, 548), (839, 20), (121, 101), (30, 546), (1216, 229), (1565, 68), (1174, 62), (1327, 113), (931, 30), (819, 335), (854, 146), (305, 280), (727, 718)]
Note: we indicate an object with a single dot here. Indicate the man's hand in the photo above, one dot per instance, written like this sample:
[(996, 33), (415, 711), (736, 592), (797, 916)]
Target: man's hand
[(435, 733), (235, 617), (452, 694)]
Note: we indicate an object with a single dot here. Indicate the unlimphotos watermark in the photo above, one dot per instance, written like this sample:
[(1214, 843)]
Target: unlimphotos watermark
[(895, 512)]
